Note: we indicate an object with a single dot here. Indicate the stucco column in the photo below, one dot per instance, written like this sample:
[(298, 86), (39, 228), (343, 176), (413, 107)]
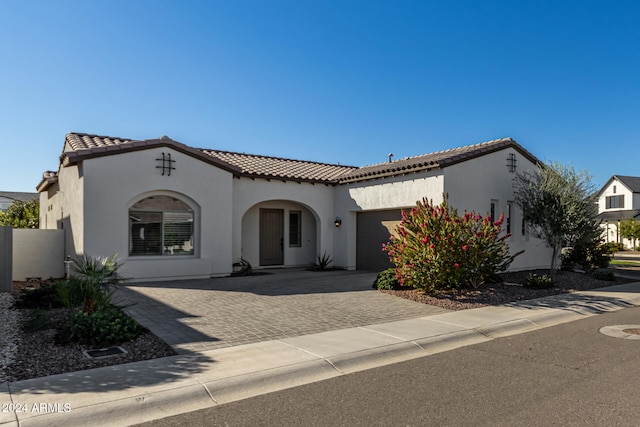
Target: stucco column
[(6, 259)]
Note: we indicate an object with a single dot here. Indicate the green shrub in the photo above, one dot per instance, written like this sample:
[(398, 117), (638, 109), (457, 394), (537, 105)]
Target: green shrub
[(604, 274), (71, 292), (539, 281), (612, 247), (96, 280), (38, 320), (586, 256), (435, 249), (99, 329), (44, 297), (386, 279)]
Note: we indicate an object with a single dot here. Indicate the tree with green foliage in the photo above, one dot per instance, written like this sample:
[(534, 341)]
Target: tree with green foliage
[(558, 205), (21, 214), (630, 229)]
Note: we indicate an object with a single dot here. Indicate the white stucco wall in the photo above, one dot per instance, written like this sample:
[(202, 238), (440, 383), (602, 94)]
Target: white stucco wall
[(472, 185), (387, 193), (251, 194), (38, 253), (61, 207), (630, 202), (114, 183)]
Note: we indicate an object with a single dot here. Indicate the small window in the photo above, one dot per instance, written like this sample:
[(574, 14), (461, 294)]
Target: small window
[(615, 202), (295, 228), (509, 211), (160, 225), (614, 189), (492, 210)]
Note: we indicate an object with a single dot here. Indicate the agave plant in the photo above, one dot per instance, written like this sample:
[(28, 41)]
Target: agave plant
[(243, 267), (323, 261)]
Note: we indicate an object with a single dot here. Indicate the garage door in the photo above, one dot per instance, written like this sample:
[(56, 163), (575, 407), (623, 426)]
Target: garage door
[(373, 230)]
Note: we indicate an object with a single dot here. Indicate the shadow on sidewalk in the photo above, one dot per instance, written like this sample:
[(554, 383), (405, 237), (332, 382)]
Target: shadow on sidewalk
[(130, 376), (577, 303)]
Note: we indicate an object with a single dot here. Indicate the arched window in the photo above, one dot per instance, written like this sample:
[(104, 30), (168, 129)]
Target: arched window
[(160, 225)]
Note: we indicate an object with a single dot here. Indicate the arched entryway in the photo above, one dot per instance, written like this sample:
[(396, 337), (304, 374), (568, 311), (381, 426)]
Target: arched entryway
[(279, 232)]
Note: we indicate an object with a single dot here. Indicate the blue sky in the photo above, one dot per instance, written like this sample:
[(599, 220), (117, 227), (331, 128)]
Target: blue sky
[(331, 81)]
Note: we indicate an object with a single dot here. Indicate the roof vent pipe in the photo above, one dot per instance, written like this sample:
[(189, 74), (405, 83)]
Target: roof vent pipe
[(390, 156)]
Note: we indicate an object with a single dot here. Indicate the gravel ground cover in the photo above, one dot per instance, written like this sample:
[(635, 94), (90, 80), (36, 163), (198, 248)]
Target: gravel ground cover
[(510, 290), (10, 331), (25, 355)]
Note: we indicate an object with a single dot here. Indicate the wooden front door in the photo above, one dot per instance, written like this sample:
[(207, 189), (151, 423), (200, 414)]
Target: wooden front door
[(271, 236)]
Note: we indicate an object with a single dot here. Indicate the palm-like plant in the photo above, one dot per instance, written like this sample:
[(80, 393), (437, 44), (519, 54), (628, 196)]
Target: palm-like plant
[(97, 278)]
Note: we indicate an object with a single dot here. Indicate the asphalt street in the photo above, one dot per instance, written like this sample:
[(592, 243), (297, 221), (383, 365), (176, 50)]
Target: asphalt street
[(569, 375)]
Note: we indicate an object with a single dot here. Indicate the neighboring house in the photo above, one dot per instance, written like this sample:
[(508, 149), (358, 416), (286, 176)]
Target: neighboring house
[(170, 210), (618, 200), (8, 197)]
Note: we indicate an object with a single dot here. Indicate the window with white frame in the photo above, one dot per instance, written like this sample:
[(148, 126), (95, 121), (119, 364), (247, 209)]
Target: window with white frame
[(160, 225)]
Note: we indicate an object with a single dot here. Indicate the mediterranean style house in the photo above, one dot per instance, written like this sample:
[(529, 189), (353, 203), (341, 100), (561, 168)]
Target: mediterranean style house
[(619, 199), (174, 211)]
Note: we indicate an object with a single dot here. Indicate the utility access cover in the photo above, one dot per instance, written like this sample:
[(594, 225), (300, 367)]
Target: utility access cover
[(104, 352)]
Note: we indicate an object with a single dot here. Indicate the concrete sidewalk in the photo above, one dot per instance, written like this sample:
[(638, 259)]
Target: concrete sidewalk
[(142, 391)]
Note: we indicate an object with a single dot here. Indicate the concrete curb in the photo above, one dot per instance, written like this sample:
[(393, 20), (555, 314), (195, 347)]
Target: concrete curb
[(143, 391), (261, 382)]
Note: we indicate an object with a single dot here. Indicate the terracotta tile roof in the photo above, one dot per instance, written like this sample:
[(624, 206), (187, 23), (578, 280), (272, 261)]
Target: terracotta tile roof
[(280, 168), (82, 146), (438, 159), (79, 141)]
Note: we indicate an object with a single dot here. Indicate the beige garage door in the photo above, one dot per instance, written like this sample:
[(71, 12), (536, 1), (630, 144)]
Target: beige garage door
[(373, 230)]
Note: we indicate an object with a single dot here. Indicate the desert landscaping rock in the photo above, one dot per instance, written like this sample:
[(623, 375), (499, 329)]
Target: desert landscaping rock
[(10, 332), (511, 290)]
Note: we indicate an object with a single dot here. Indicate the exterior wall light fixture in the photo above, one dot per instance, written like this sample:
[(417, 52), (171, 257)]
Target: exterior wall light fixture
[(338, 221)]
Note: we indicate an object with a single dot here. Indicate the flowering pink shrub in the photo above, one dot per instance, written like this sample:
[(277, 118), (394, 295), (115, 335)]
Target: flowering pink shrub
[(436, 249)]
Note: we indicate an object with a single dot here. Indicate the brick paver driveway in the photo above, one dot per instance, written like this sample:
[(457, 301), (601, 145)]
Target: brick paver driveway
[(197, 315)]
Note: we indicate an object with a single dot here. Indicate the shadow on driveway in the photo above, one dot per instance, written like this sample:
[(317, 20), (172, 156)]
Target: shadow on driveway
[(199, 315)]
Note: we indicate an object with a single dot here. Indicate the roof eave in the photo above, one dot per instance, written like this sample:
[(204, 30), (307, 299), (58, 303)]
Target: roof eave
[(286, 178), (46, 182), (74, 157), (388, 174), (610, 180)]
